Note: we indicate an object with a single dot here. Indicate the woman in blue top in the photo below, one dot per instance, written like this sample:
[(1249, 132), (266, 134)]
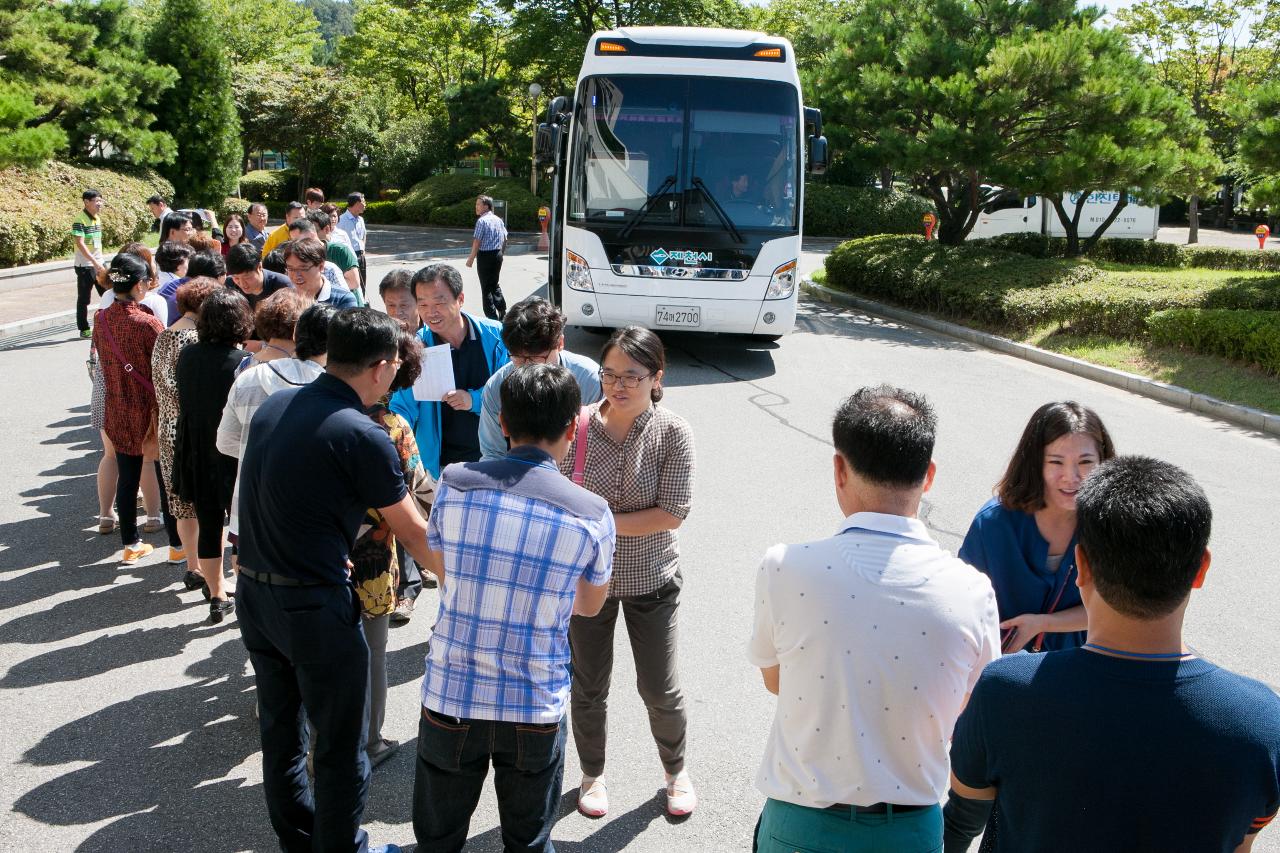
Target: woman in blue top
[(1024, 538)]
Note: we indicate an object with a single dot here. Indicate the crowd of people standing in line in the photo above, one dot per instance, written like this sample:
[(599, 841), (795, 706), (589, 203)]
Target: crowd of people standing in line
[(1037, 682)]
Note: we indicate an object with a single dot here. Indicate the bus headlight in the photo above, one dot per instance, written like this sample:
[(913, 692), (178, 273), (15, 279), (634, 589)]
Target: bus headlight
[(783, 282), (576, 272)]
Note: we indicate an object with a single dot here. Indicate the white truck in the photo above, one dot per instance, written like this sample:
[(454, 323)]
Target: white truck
[(1013, 214)]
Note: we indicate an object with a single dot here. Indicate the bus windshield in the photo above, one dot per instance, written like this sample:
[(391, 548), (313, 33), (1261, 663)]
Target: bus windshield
[(685, 151)]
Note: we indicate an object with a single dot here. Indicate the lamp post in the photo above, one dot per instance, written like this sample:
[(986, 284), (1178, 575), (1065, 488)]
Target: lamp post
[(534, 91)]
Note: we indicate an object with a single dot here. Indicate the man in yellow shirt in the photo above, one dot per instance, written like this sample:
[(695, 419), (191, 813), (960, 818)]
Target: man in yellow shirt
[(281, 233)]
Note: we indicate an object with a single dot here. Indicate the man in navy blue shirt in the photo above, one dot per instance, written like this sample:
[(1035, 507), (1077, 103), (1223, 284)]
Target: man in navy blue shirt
[(313, 464), (1130, 743)]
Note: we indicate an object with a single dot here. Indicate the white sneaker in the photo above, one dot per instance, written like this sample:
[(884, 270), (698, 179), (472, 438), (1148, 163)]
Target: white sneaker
[(681, 798), (593, 797)]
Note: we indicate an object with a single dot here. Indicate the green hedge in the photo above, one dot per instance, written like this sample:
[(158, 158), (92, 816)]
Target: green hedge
[(231, 205), (831, 210), (1013, 293), (1252, 336), (449, 200), (269, 185), (1144, 252), (381, 213), (38, 205)]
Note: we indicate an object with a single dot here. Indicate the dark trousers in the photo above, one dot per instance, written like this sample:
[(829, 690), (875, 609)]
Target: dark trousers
[(128, 480), (410, 585), (488, 268), (651, 626), (309, 654), (453, 760), (364, 274), (86, 284)]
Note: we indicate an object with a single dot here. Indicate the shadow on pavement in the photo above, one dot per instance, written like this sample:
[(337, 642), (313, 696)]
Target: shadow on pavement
[(613, 835), (157, 763)]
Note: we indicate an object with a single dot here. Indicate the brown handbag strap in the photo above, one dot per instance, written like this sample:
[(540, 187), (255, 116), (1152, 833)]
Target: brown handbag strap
[(129, 369), (580, 449)]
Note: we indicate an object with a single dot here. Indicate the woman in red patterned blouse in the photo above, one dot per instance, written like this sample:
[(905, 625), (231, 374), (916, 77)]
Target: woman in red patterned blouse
[(124, 337)]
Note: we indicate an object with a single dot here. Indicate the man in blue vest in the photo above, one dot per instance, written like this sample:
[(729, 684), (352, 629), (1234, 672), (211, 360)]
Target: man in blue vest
[(448, 430)]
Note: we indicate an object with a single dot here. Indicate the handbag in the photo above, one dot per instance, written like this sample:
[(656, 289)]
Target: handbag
[(580, 448), (115, 348)]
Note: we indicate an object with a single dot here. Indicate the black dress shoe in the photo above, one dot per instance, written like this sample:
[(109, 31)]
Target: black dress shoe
[(219, 608), (195, 580)]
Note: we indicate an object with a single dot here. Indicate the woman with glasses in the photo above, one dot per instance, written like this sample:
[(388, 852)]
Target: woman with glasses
[(639, 457), (304, 264)]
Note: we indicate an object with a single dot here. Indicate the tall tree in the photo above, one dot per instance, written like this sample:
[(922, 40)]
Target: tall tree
[(957, 96), (1199, 48), (200, 113), (336, 19), (1258, 111), (74, 78)]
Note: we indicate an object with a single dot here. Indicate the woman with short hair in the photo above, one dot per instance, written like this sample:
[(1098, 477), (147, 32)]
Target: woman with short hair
[(639, 457), (202, 475)]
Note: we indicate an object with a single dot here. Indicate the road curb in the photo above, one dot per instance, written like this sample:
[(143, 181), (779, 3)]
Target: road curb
[(1174, 395), (23, 328)]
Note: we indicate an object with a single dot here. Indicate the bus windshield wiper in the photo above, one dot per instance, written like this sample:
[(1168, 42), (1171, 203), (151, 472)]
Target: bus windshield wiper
[(715, 205), (647, 206)]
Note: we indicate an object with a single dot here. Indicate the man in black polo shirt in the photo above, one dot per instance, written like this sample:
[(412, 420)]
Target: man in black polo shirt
[(245, 274), (312, 465)]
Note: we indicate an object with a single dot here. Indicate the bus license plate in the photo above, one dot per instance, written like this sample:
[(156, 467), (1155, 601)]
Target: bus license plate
[(686, 316)]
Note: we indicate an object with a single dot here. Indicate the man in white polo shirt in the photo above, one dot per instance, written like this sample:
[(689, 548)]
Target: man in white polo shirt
[(872, 640)]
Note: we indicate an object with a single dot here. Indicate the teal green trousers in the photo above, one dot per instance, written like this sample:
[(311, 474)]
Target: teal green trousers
[(788, 828)]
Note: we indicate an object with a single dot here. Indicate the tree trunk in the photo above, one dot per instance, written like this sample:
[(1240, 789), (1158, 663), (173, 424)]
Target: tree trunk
[(1228, 204), (1193, 218), (1069, 224), (886, 180), (1097, 235)]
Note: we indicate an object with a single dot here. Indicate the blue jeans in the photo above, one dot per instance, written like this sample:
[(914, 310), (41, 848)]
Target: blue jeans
[(453, 760), (308, 651), (789, 828)]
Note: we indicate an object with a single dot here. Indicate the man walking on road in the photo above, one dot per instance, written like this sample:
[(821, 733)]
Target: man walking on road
[(313, 464), (523, 548), (86, 233), (487, 245), (872, 640), (1131, 742)]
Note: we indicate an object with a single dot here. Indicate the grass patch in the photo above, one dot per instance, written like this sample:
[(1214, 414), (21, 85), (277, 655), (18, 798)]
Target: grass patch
[(1205, 374)]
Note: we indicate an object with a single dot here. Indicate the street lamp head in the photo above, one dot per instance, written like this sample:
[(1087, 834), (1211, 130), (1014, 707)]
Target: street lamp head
[(534, 90)]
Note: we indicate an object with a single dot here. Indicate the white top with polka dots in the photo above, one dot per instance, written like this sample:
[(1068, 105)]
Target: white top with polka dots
[(880, 635)]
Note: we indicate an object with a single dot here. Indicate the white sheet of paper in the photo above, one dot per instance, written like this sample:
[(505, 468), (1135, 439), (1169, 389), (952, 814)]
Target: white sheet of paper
[(436, 378)]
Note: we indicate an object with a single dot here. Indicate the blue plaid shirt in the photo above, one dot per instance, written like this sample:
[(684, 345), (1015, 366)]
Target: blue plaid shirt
[(490, 231), (516, 536)]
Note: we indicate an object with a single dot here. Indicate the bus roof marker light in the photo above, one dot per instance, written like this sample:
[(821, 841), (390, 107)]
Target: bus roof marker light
[(610, 47), (768, 53)]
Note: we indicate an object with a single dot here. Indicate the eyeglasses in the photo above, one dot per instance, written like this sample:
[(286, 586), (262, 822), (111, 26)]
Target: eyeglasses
[(608, 378), (394, 362), (521, 360), (291, 270)]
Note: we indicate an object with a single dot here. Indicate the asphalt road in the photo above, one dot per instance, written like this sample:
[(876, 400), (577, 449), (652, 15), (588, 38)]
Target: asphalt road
[(128, 720)]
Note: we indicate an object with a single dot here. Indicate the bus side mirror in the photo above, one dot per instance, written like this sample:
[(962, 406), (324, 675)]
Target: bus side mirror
[(813, 120), (560, 105), (817, 155), (544, 145)]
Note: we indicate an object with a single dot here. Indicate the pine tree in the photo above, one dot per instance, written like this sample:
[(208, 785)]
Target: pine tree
[(200, 112)]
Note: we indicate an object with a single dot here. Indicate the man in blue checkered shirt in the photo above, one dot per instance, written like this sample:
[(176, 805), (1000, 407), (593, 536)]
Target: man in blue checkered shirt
[(488, 242), (522, 549)]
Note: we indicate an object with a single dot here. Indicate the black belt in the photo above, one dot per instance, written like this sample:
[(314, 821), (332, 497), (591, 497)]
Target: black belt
[(360, 253), (874, 808), (278, 580)]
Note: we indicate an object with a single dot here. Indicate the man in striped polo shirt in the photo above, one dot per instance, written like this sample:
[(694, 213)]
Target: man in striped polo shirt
[(487, 245), (86, 233)]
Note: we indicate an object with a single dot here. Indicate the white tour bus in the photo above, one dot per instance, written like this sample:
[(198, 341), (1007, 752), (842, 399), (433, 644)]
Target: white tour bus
[(678, 185), (1013, 214)]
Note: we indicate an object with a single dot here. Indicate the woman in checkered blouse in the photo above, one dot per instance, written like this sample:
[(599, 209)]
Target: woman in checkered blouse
[(639, 457)]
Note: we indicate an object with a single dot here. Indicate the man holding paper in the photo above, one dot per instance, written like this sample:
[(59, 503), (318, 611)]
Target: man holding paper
[(461, 352)]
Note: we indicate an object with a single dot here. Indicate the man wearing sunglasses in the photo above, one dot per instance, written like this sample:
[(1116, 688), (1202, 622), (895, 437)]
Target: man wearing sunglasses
[(533, 330)]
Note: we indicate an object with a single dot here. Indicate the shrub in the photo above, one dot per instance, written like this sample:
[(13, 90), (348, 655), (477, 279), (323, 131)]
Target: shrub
[(381, 213), (1143, 252), (840, 211), (37, 206), (1221, 258), (1013, 293), (1252, 336), (268, 185), (388, 194), (449, 200), (231, 205)]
